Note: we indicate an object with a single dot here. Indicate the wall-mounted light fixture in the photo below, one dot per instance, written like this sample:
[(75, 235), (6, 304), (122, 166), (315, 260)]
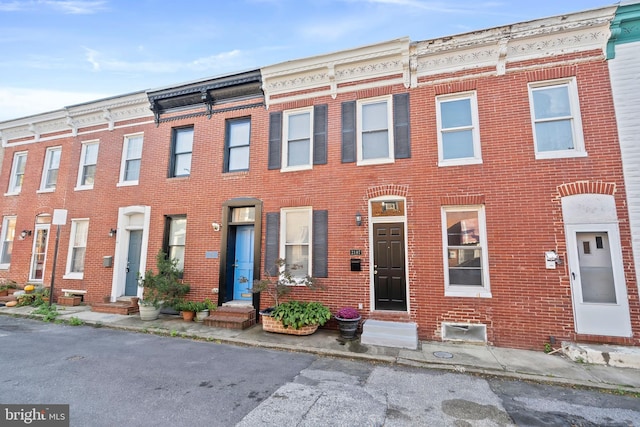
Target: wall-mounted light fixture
[(25, 233), (215, 226), (113, 232), (358, 219)]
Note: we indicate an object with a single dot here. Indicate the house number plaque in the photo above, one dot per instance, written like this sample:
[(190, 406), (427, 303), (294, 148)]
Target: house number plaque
[(353, 252)]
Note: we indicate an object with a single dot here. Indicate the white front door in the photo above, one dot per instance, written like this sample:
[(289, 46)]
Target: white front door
[(597, 281)]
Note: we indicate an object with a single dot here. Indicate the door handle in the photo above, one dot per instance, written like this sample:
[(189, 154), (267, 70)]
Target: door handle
[(573, 275), (375, 271)]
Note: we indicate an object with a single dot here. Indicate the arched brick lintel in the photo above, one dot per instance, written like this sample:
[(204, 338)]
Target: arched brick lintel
[(586, 187), (387, 190)]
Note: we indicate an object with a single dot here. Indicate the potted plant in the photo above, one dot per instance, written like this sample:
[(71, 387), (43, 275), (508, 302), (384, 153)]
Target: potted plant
[(348, 320), (296, 318), (162, 288), (187, 309), (203, 308)]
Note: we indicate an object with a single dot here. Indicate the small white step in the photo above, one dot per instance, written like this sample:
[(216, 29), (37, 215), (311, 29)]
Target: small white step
[(390, 334)]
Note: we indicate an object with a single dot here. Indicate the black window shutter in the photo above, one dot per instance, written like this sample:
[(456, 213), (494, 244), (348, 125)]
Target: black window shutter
[(349, 132), (320, 244), (320, 135), (401, 126), (272, 246), (275, 139)]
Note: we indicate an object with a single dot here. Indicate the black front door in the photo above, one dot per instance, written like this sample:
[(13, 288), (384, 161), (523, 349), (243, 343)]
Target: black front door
[(389, 267)]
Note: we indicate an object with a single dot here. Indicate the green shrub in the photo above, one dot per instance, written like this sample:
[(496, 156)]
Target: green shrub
[(296, 314)]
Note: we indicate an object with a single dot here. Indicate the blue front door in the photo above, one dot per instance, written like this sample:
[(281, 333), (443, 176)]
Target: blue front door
[(243, 265), (133, 263)]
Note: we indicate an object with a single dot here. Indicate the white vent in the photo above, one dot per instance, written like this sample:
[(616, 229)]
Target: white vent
[(464, 332)]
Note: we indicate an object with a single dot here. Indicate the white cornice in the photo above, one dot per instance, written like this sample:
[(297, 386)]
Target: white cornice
[(333, 69), (67, 121), (497, 47)]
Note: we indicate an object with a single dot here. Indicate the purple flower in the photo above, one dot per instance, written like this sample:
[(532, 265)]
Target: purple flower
[(348, 313)]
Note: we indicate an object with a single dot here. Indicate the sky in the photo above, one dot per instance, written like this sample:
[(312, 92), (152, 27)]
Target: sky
[(57, 53)]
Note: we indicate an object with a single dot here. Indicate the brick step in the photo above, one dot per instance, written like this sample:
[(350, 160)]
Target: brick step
[(232, 318), (8, 298), (118, 307)]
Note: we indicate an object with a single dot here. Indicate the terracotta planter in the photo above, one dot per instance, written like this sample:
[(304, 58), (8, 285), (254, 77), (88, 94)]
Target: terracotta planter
[(69, 300), (188, 316), (270, 324)]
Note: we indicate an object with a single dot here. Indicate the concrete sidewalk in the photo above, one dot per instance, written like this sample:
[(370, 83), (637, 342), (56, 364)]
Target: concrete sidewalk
[(479, 359)]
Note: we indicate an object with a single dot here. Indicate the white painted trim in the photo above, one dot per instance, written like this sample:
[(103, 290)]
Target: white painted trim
[(83, 152), (388, 99), (283, 232), (45, 169), (381, 220), (474, 127), (123, 158), (285, 139)]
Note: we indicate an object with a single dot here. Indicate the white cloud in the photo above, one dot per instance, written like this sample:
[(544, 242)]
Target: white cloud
[(73, 7), (222, 61), (18, 102)]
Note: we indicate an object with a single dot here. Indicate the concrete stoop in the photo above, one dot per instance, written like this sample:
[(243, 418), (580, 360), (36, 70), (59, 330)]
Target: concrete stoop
[(390, 334), (603, 354)]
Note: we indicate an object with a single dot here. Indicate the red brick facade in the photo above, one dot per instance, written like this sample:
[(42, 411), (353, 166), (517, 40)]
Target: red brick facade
[(521, 195)]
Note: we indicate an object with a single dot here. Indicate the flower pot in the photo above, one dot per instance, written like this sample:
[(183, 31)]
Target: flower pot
[(69, 300), (201, 315), (348, 327), (148, 312), (188, 316)]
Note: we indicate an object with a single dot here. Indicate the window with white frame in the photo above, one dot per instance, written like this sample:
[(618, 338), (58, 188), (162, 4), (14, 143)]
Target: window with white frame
[(78, 248), (181, 151), (297, 137), (176, 239), (555, 114), (237, 145), (88, 163), (7, 236), (131, 159), (50, 169), (295, 238), (466, 263), (458, 133), (374, 132), (17, 172)]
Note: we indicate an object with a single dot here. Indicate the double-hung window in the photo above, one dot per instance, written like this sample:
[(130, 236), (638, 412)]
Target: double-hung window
[(375, 131), (466, 264), (236, 155), (7, 236), (297, 149), (176, 239), (458, 133), (131, 158), (50, 170), (88, 163), (295, 238), (555, 114), (17, 172), (181, 149), (77, 249)]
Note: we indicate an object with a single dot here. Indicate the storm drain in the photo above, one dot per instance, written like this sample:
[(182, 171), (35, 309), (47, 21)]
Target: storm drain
[(443, 355)]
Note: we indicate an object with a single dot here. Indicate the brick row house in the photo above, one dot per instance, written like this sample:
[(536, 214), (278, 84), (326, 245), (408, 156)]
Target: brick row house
[(470, 186)]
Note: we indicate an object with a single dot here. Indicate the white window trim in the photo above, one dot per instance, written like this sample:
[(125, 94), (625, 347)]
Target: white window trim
[(228, 148), (466, 291), (45, 170), (475, 129), (390, 124), (11, 191), (578, 136), (123, 159), (81, 165), (3, 235), (283, 234), (285, 139), (68, 274)]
